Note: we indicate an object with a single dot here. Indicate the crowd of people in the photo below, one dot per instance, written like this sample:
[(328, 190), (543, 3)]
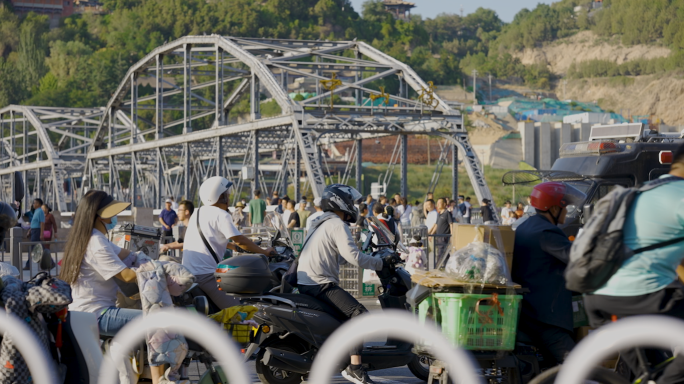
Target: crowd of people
[(646, 283)]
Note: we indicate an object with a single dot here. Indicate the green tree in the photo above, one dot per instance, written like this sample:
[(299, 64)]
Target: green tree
[(32, 50), (9, 24)]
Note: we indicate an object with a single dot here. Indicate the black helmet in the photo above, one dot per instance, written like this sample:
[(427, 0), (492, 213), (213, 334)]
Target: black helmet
[(341, 198)]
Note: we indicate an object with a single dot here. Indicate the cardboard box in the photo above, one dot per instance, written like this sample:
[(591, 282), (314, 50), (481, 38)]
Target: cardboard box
[(502, 237), (582, 332), (579, 314)]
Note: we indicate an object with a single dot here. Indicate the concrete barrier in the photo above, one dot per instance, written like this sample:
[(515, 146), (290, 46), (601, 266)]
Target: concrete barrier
[(541, 142)]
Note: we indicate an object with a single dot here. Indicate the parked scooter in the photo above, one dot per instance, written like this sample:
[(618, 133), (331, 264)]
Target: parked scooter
[(293, 327)]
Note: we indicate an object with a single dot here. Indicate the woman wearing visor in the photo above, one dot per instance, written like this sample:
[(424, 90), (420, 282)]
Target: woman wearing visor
[(208, 235), (91, 263), (540, 255)]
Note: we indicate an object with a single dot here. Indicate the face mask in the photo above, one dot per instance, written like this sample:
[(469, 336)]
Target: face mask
[(111, 225)]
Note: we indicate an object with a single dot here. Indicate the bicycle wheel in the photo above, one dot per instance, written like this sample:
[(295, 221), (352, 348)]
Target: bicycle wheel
[(599, 375)]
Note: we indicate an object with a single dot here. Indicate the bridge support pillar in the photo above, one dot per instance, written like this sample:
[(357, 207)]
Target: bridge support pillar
[(219, 157), (255, 162), (297, 175), (186, 172), (454, 173), (359, 165), (404, 166), (286, 172)]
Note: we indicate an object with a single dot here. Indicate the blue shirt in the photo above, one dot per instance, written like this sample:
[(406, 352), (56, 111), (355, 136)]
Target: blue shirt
[(38, 217), (169, 216), (655, 216)]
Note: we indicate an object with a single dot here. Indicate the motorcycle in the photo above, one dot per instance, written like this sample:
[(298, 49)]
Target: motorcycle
[(293, 327)]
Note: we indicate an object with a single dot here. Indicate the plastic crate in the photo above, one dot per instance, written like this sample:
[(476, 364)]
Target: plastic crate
[(491, 325), (350, 279), (241, 332)]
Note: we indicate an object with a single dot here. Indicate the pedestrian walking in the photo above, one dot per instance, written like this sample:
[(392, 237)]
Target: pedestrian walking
[(363, 213), (431, 216), (455, 211), (275, 200), (168, 218), (370, 203), (174, 205), (185, 210), (50, 226), (37, 220), (37, 224), (520, 210), (468, 210), (486, 211), (441, 227), (510, 219), (257, 207), (291, 216), (417, 215), (506, 209), (303, 214), (404, 209), (528, 208), (239, 217), (429, 196)]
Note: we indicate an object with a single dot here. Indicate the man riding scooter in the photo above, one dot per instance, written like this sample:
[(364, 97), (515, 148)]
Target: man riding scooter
[(209, 231), (328, 242), (540, 256)]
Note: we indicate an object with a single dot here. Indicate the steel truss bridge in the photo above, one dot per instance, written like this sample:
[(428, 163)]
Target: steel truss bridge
[(169, 125)]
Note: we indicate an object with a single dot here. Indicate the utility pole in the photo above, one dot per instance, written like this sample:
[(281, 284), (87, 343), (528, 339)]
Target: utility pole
[(474, 86), (490, 87)]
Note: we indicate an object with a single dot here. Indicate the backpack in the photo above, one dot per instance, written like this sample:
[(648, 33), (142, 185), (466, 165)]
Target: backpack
[(599, 250)]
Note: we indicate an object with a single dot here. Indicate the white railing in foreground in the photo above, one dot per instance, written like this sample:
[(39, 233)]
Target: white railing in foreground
[(202, 330), (39, 363), (652, 331), (396, 324)]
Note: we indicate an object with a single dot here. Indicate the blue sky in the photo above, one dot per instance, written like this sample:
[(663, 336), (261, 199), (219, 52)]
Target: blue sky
[(506, 9)]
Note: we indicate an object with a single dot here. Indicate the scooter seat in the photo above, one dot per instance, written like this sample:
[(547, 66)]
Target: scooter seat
[(308, 302)]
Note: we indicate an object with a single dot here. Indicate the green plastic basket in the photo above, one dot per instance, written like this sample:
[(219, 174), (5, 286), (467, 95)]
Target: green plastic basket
[(491, 325)]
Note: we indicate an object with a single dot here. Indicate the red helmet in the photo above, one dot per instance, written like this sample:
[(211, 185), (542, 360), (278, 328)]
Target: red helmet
[(555, 194)]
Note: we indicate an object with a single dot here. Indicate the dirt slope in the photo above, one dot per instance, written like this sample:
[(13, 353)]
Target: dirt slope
[(584, 46), (661, 95)]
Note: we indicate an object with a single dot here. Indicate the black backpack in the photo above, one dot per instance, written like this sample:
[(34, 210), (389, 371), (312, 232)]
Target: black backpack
[(599, 250)]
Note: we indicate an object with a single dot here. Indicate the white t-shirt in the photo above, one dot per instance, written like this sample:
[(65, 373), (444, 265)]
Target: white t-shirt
[(406, 214), (399, 210), (95, 289), (217, 227), (431, 218), (286, 216), (468, 208), (505, 212)]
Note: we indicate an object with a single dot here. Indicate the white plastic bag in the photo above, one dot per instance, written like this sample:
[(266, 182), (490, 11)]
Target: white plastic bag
[(370, 277), (9, 270), (416, 259), (478, 262)]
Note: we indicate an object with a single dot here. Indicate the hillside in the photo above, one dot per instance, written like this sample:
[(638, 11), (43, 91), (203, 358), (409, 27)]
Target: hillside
[(661, 95), (558, 55)]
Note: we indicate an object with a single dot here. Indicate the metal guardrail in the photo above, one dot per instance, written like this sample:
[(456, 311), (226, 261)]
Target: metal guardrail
[(27, 247), (651, 330), (393, 323)]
